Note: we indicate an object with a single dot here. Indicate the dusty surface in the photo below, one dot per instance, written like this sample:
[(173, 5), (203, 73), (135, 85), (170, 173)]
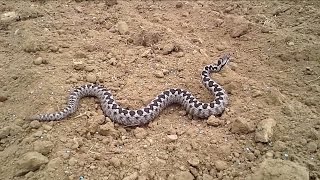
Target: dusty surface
[(138, 49)]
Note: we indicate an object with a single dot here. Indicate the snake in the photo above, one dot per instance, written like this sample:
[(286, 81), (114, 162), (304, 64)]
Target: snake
[(142, 116)]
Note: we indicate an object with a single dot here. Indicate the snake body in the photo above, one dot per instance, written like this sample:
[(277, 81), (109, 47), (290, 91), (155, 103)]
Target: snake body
[(146, 114)]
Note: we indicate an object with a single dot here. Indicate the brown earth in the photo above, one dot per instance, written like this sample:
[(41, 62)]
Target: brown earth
[(140, 48)]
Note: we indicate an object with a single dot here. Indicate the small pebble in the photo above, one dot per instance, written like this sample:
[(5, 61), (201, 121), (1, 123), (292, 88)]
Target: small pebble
[(179, 5), (184, 175), (37, 61), (140, 133), (123, 27), (239, 31), (92, 78), (78, 65), (214, 121), (115, 162), (194, 161), (46, 127), (168, 48), (312, 147), (89, 68), (35, 124), (172, 137), (159, 74), (3, 98), (221, 165), (4, 132), (132, 176)]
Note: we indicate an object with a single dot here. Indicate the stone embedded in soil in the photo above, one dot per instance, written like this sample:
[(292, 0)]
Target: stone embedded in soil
[(35, 124), (8, 16), (132, 176), (30, 161), (239, 30), (183, 175), (194, 161), (37, 61), (78, 65), (221, 165), (277, 169), (172, 137), (159, 74), (123, 27), (312, 147), (43, 147), (5, 132), (214, 121), (179, 5), (264, 130), (3, 98), (140, 133), (207, 177), (241, 126), (92, 78), (108, 130), (115, 162), (168, 48), (46, 127)]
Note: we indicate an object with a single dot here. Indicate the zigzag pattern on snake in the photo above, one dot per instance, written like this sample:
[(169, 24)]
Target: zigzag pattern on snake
[(146, 114)]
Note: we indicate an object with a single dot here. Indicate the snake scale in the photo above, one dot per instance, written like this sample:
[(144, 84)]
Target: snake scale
[(146, 114)]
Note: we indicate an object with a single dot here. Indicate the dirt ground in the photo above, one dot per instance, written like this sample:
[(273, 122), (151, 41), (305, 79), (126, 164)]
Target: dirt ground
[(270, 129)]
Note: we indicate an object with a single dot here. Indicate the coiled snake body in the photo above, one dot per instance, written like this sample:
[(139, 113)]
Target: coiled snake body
[(146, 114)]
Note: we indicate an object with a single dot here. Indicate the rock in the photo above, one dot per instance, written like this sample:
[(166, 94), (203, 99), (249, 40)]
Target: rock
[(207, 177), (4, 132), (214, 121), (123, 27), (44, 147), (15, 129), (264, 130), (159, 74), (110, 3), (37, 61), (92, 78), (94, 122), (30, 161), (89, 68), (172, 137), (46, 127), (179, 5), (108, 130), (241, 126), (220, 165), (312, 147), (140, 133), (184, 175), (8, 16), (168, 48), (218, 22), (279, 146), (115, 162), (78, 65), (277, 169), (3, 98), (35, 124), (72, 161), (239, 31), (132, 176), (194, 161)]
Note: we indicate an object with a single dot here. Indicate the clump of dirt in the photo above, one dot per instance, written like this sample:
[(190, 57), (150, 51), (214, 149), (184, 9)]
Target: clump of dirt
[(139, 49)]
